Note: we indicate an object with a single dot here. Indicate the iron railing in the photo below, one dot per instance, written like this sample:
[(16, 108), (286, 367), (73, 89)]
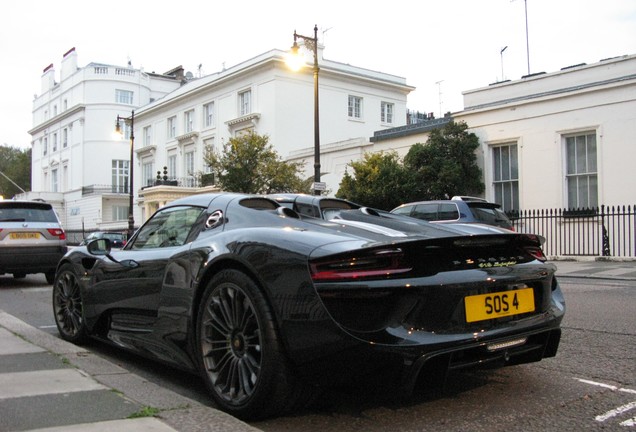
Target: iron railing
[(602, 231)]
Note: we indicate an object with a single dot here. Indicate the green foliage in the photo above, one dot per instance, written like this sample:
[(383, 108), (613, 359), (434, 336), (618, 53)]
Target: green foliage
[(379, 181), (249, 164), (446, 165), (15, 163), (146, 411)]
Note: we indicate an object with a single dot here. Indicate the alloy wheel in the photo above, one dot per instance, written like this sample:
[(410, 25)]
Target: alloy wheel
[(231, 343)]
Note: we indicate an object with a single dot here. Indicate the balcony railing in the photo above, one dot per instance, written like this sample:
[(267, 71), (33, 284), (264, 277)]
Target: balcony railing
[(188, 181), (603, 231), (97, 189)]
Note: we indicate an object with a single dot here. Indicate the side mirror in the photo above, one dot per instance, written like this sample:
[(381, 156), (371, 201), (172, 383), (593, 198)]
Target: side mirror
[(99, 247)]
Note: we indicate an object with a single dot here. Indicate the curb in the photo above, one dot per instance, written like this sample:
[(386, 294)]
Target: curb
[(179, 412)]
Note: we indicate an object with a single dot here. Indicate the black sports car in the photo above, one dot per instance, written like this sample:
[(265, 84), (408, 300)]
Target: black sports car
[(268, 305)]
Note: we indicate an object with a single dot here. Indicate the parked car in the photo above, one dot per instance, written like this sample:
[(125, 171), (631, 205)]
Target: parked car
[(459, 209), (117, 240), (314, 205), (268, 306), (31, 239)]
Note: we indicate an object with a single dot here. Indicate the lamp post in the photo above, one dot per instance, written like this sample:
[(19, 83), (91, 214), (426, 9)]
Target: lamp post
[(312, 44), (130, 120)]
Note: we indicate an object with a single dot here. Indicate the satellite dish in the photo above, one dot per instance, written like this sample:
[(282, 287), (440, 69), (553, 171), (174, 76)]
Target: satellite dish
[(189, 75)]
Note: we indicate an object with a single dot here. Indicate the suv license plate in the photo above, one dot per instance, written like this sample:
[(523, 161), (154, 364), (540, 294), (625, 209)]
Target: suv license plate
[(499, 304), (24, 236)]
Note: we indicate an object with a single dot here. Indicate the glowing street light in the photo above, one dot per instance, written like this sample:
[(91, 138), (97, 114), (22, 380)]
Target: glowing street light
[(295, 62)]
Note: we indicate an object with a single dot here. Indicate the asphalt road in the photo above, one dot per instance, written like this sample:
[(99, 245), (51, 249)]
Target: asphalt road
[(590, 385)]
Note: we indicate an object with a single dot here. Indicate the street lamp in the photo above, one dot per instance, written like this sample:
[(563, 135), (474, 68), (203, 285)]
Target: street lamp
[(294, 61), (130, 120)]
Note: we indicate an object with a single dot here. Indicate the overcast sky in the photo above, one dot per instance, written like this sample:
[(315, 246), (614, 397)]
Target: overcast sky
[(441, 47)]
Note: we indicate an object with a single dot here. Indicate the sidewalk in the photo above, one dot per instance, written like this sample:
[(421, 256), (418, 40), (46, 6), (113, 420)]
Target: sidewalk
[(49, 385), (597, 268)]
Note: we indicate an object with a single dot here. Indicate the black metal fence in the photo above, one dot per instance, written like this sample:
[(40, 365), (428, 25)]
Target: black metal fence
[(603, 231)]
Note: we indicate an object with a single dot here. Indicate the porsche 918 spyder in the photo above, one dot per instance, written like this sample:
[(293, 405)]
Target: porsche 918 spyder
[(268, 305)]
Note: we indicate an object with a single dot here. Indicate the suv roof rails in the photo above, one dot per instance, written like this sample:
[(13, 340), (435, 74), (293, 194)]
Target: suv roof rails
[(467, 198)]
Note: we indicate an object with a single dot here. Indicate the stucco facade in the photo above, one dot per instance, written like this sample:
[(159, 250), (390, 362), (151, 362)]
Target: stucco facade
[(73, 146), (576, 124), (539, 113), (82, 168), (263, 95)]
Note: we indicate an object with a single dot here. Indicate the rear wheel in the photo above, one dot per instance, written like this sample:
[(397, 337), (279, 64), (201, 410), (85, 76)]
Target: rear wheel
[(240, 354), (68, 306)]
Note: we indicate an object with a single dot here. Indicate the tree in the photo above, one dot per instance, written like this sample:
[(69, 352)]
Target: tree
[(15, 163), (249, 164), (378, 181), (446, 165)]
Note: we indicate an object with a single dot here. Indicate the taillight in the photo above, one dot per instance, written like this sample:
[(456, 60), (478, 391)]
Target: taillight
[(377, 264), (57, 232), (537, 253), (534, 249)]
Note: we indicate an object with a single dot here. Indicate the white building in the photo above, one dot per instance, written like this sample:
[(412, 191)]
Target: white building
[(80, 167), (77, 164), (550, 140), (263, 95), (558, 140)]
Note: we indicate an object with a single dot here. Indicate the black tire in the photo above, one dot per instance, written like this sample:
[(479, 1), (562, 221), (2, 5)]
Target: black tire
[(68, 306), (239, 351), (50, 277)]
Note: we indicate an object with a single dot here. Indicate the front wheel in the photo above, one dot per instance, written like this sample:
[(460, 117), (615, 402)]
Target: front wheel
[(240, 354), (68, 306)]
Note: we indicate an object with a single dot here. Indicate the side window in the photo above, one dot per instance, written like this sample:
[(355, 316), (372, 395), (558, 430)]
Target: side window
[(167, 228), (425, 211), (406, 210), (448, 212), (307, 210)]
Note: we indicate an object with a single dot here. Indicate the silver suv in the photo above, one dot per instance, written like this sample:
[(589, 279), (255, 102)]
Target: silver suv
[(31, 239), (459, 209)]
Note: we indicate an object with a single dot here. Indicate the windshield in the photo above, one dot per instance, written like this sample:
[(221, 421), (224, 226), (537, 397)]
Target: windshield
[(26, 212)]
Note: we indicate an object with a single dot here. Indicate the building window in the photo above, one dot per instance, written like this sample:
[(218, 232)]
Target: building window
[(120, 213), (355, 107), (208, 113), (54, 181), (386, 114), (45, 146), (65, 178), (209, 146), (188, 124), (148, 135), (188, 165), (54, 143), (245, 102), (65, 104), (65, 137), (172, 166), (581, 177), (120, 174), (54, 110), (506, 176), (172, 127), (148, 173), (124, 97)]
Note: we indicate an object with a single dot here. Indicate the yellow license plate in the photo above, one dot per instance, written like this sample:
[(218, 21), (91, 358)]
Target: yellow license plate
[(24, 236), (499, 304)]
